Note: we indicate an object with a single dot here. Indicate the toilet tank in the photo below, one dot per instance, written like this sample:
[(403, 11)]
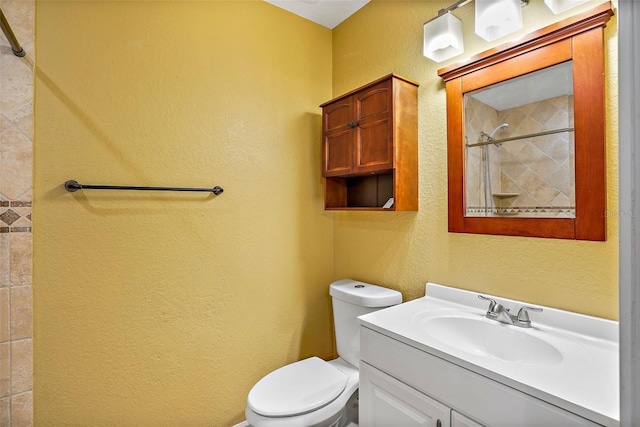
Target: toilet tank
[(350, 299)]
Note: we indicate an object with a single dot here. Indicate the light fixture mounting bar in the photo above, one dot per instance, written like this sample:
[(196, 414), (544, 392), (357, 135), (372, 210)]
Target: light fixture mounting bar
[(454, 6), (461, 3)]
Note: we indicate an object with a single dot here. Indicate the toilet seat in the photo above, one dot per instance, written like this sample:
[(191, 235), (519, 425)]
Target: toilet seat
[(298, 388)]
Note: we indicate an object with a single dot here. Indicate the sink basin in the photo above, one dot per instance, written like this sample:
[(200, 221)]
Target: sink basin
[(490, 338)]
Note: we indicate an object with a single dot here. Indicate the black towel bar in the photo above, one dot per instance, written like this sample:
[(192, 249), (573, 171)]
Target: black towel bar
[(73, 185)]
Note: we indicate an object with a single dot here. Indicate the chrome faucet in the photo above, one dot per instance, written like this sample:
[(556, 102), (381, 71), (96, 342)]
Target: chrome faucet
[(499, 313)]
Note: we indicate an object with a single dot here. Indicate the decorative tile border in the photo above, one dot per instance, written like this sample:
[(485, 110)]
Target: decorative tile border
[(15, 216), (550, 211)]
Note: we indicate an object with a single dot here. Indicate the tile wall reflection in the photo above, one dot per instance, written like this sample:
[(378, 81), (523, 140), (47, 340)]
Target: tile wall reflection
[(531, 177)]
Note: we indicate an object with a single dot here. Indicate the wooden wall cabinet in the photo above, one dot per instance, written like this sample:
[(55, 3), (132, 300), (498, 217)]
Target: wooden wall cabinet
[(370, 146)]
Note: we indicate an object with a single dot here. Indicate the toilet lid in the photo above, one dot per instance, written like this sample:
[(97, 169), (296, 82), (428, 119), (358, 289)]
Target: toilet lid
[(297, 388)]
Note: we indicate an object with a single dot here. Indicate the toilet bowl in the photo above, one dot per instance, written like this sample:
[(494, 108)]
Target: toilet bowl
[(315, 393), (310, 392)]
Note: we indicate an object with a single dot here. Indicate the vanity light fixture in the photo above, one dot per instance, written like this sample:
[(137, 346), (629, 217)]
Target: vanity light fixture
[(494, 19), (443, 37), (559, 6), (497, 18)]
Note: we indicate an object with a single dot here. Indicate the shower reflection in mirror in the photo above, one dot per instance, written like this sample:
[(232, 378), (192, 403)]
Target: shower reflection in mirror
[(520, 146)]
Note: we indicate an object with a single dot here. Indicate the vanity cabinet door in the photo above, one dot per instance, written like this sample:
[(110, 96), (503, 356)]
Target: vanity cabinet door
[(459, 420), (385, 401)]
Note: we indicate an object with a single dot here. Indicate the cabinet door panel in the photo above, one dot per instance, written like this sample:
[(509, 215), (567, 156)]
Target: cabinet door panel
[(337, 115), (374, 146), (337, 153), (373, 102), (459, 420), (385, 401)]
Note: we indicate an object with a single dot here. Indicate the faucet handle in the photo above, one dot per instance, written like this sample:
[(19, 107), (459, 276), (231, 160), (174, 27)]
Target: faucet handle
[(492, 303), (523, 314)]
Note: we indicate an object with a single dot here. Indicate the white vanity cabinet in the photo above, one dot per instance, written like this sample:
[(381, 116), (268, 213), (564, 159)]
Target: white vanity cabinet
[(386, 401), (389, 402), (403, 386)]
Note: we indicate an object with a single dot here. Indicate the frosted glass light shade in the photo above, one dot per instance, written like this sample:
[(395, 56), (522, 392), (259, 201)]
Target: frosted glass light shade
[(497, 18), (559, 6), (443, 38)]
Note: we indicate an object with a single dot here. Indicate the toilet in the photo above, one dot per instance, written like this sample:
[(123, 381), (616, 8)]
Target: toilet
[(313, 392)]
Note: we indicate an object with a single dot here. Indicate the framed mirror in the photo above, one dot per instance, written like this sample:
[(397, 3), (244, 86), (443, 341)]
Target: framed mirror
[(526, 134)]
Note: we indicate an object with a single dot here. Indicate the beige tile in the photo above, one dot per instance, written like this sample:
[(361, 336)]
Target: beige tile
[(507, 184), (546, 142), (559, 151), (560, 179), (545, 193), (22, 410), (23, 119), (16, 160), (472, 187), (21, 259), (5, 370), (543, 111), (528, 126), (21, 366), (16, 84), (566, 215), (527, 109), (4, 315), (561, 200), (5, 259), (21, 312), (529, 182), (511, 116), (570, 111), (559, 120), (20, 14), (5, 415), (513, 147), (22, 222), (545, 166), (4, 124), (560, 102), (526, 200), (530, 155), (511, 166)]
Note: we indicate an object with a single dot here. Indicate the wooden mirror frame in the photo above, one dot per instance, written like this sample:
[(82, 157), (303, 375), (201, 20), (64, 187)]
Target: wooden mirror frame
[(580, 39)]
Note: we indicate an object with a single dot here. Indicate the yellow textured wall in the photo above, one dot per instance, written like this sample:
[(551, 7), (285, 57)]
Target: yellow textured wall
[(405, 250), (163, 309)]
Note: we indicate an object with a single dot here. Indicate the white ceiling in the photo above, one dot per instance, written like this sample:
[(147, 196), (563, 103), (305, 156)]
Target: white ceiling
[(328, 13), (533, 87)]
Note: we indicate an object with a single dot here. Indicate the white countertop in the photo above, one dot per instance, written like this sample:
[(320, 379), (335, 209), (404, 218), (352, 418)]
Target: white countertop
[(585, 381)]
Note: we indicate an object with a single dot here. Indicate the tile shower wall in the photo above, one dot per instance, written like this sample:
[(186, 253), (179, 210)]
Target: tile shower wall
[(480, 118), (16, 137), (541, 169), (534, 176)]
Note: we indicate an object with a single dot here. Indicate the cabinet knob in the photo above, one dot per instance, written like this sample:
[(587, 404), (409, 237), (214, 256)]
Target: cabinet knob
[(352, 125), (438, 423)]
